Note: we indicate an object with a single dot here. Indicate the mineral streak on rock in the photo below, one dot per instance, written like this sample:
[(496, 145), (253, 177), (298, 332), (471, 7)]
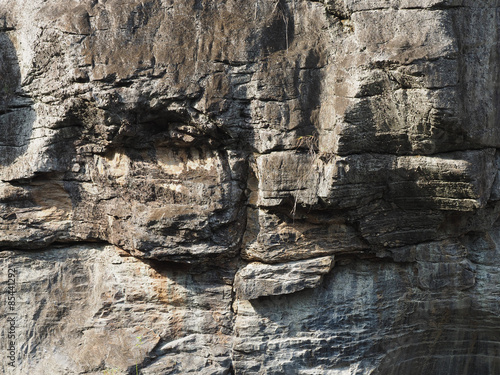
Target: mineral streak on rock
[(251, 187)]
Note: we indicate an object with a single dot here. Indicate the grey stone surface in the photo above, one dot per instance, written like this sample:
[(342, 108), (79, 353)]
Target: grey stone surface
[(96, 309), (176, 178), (425, 316), (259, 279)]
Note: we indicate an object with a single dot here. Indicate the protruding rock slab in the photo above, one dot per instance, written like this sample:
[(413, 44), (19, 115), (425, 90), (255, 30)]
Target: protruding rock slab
[(259, 279)]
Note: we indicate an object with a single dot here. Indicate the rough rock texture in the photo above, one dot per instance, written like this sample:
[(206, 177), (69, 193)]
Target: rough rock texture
[(257, 279), (177, 178), (86, 308)]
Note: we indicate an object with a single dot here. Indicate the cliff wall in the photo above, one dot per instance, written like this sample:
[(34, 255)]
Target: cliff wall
[(250, 187)]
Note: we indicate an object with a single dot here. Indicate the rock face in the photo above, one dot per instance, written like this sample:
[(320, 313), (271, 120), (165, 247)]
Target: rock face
[(257, 187)]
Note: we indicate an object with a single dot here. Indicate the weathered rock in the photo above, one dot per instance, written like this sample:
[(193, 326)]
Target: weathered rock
[(275, 237), (91, 309), (259, 279), (186, 172), (382, 317)]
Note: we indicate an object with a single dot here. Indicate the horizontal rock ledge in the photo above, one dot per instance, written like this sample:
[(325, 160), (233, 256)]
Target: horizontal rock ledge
[(258, 279)]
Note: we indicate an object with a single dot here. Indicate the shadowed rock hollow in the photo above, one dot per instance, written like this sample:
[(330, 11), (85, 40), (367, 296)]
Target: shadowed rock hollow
[(258, 187)]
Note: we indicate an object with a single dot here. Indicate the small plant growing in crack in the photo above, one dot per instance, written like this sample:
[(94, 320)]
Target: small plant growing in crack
[(284, 17), (308, 142), (139, 345), (110, 371)]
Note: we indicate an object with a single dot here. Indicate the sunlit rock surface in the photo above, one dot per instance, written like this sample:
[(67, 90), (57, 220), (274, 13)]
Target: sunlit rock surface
[(258, 187)]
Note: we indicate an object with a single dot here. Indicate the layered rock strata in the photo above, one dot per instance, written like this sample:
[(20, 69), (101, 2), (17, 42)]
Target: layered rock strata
[(259, 187)]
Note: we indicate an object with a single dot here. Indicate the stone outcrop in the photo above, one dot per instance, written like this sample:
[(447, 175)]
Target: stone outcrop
[(257, 279), (259, 187)]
